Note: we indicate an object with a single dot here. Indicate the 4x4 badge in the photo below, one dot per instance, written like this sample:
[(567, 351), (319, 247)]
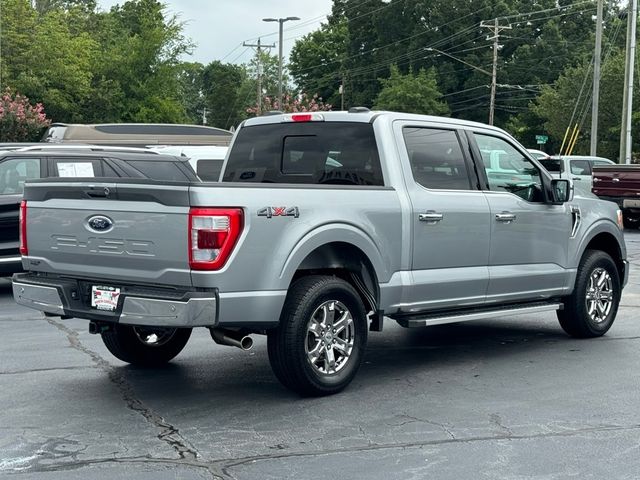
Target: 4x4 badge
[(279, 212)]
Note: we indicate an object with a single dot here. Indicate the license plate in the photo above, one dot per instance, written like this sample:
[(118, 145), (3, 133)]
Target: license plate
[(631, 204), (104, 298)]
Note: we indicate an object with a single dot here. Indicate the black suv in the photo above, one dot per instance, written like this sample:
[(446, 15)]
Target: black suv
[(18, 166)]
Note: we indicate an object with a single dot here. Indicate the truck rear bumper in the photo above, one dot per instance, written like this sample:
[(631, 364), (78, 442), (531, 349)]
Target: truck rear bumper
[(64, 297)]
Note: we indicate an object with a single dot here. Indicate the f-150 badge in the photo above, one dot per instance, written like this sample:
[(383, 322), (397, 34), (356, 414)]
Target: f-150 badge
[(279, 212)]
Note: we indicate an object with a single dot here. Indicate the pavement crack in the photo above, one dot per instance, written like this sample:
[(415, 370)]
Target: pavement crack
[(38, 370), (168, 433), (228, 464)]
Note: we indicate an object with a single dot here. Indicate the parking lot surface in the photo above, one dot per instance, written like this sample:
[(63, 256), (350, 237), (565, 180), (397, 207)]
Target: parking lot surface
[(506, 398)]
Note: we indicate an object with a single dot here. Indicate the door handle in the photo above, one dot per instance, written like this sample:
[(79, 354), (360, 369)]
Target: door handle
[(615, 180), (505, 217), (576, 178), (430, 217)]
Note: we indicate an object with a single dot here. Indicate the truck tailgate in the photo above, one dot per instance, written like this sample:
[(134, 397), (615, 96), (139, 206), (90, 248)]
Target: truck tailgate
[(617, 181), (125, 232)]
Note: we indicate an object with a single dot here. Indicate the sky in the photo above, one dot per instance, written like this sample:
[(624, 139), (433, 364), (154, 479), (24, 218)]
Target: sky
[(218, 27)]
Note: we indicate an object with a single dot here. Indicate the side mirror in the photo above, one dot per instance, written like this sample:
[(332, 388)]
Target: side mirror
[(561, 191)]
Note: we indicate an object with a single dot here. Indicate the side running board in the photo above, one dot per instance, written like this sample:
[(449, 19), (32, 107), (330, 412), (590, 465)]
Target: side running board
[(441, 318)]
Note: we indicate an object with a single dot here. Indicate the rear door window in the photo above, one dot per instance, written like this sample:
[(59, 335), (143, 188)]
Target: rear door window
[(76, 167), (580, 167), (436, 158), (15, 171), (338, 153)]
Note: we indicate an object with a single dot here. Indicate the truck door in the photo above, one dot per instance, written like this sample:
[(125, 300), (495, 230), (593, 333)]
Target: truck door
[(529, 239), (450, 220)]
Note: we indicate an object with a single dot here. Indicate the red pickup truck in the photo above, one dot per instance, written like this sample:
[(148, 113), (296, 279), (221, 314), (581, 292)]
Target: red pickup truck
[(620, 184)]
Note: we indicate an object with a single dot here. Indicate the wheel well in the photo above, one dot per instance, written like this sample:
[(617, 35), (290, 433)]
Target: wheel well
[(608, 243), (348, 262)]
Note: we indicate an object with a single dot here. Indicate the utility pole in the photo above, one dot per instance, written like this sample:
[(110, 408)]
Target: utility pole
[(204, 115), (259, 48), (596, 82), (280, 23), (631, 53), (496, 29)]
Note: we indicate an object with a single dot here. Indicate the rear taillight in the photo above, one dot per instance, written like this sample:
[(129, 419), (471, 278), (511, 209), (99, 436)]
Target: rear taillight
[(213, 232), (23, 228)]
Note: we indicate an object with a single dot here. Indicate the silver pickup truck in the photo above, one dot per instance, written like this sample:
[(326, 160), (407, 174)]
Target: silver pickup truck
[(323, 224)]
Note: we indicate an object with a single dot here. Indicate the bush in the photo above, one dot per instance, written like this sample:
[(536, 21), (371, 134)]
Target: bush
[(19, 120)]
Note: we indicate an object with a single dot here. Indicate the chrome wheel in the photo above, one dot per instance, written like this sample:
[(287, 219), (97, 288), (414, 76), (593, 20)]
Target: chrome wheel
[(600, 295), (330, 337), (154, 337)]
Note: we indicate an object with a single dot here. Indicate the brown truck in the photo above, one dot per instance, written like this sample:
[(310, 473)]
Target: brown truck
[(620, 184)]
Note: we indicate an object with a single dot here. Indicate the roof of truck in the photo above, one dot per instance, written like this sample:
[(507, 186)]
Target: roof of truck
[(360, 114)]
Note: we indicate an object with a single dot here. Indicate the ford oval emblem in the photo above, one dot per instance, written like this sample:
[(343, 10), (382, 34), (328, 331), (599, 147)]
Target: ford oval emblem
[(100, 223)]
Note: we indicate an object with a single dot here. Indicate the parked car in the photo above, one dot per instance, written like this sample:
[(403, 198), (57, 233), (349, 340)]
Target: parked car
[(19, 166), (323, 225), (136, 134), (576, 167), (206, 160), (620, 184)]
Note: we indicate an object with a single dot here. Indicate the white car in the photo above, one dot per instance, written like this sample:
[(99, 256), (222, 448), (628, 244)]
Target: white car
[(206, 160), (576, 167)]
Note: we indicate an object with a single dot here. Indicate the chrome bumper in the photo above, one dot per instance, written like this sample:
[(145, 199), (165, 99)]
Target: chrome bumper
[(195, 312)]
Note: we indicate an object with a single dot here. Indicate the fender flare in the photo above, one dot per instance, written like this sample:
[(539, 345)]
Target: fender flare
[(331, 233)]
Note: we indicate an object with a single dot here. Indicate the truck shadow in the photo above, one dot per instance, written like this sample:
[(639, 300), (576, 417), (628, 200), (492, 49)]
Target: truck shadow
[(231, 376), (5, 286)]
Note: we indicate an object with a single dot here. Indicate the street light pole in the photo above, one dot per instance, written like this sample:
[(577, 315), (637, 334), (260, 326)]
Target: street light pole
[(280, 23)]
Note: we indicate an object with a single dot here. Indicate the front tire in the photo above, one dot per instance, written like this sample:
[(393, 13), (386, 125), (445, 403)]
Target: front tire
[(591, 309), (145, 346), (319, 345)]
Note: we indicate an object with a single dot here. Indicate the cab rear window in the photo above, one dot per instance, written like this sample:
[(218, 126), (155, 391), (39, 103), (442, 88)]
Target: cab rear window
[(338, 153), (552, 165)]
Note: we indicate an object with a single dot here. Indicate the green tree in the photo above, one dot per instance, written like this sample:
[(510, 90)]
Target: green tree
[(140, 59), (411, 93), (317, 61), (228, 92), (45, 60)]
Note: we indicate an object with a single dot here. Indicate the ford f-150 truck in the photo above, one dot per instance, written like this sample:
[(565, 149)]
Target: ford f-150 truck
[(620, 184), (323, 225)]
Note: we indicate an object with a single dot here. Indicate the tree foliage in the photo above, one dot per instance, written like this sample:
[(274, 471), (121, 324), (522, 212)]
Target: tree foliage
[(87, 65), (361, 40), (411, 93)]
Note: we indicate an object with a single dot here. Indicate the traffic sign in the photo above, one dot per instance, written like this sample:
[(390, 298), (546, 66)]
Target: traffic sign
[(542, 139)]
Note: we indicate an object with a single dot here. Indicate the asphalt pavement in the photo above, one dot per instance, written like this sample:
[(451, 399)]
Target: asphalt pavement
[(510, 398)]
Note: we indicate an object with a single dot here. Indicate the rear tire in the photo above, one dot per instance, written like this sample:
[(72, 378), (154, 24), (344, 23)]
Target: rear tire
[(145, 346), (591, 309), (319, 345)]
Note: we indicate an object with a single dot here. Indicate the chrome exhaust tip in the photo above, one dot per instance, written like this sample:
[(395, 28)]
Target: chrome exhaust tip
[(231, 338)]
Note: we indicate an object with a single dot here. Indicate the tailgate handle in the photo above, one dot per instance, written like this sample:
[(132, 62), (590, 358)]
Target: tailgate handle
[(98, 192)]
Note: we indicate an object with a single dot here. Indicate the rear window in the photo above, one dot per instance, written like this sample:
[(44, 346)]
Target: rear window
[(552, 165), (167, 171), (338, 153)]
